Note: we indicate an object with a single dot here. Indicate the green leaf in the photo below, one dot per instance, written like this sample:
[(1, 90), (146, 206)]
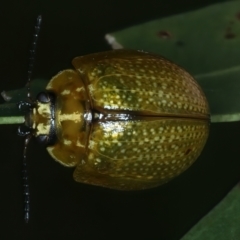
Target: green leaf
[(206, 42), (14, 96), (222, 223)]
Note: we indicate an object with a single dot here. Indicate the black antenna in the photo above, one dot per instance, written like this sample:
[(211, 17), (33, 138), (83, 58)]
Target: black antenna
[(28, 133), (26, 191), (32, 54)]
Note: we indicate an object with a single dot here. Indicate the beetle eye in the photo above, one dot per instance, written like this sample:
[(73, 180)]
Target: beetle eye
[(43, 97), (43, 139)]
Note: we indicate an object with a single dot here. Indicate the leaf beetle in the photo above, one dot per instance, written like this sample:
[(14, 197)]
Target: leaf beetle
[(125, 119)]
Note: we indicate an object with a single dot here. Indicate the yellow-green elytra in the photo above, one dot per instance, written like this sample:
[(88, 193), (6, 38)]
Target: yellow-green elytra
[(125, 119)]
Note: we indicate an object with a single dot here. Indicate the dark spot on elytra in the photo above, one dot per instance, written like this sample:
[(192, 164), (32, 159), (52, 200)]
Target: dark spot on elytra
[(164, 34), (188, 151)]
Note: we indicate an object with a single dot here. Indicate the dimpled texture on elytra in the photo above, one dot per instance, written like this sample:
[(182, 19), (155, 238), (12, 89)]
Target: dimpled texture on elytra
[(152, 85), (141, 154)]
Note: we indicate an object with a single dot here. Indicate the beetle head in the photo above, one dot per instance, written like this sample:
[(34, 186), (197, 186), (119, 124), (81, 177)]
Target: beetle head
[(39, 120)]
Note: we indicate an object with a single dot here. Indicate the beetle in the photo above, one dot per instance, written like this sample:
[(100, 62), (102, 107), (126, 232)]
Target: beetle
[(125, 119)]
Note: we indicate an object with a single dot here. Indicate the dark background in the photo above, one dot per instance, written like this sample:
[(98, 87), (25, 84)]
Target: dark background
[(60, 207)]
